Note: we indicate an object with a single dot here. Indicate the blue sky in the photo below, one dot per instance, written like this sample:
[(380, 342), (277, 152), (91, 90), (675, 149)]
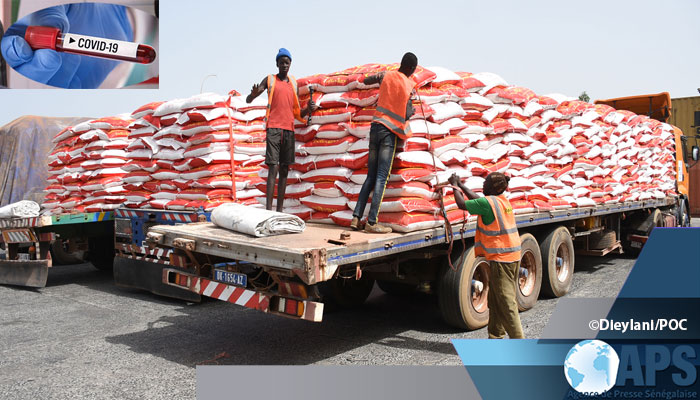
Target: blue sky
[(608, 48)]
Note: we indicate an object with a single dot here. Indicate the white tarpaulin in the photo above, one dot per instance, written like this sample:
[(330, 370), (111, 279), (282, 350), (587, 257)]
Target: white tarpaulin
[(255, 221), (20, 209)]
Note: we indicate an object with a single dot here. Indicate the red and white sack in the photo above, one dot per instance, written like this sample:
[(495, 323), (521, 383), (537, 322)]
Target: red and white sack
[(293, 191), (327, 174), (328, 146), (443, 76), (413, 144), (325, 204), (292, 177), (326, 189), (215, 182), (342, 218), (219, 157), (419, 159), (409, 222), (423, 128), (452, 142), (402, 204), (445, 111)]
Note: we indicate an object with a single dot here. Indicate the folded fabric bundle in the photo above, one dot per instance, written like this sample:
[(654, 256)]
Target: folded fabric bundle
[(255, 221), (20, 209)]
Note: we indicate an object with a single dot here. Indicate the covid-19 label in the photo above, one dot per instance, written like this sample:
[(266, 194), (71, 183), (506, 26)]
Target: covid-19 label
[(97, 45)]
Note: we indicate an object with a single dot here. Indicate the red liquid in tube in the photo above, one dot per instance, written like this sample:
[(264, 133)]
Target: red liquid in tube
[(46, 37)]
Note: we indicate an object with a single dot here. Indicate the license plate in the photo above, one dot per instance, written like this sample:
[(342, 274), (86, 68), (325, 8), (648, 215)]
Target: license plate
[(233, 278)]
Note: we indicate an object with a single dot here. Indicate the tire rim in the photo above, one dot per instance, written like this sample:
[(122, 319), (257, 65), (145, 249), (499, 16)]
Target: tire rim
[(527, 283), (563, 267), (480, 297)]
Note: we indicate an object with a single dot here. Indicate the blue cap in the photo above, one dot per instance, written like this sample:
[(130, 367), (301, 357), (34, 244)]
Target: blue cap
[(283, 53)]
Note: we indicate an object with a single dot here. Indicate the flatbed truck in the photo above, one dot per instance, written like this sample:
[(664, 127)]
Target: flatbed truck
[(294, 275)]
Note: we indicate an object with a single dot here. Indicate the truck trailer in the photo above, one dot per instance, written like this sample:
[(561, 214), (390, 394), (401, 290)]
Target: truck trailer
[(294, 275)]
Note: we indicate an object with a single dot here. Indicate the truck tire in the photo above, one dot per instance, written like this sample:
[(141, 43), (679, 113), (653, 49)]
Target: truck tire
[(658, 220), (602, 240), (463, 291), (683, 215), (530, 274), (101, 252), (346, 293), (60, 256), (557, 251), (397, 288)]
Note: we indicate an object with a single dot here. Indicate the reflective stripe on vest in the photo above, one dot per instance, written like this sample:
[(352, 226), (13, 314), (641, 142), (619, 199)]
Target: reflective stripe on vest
[(497, 250), (394, 94), (271, 90), (391, 114), (501, 243), (499, 217), (389, 124)]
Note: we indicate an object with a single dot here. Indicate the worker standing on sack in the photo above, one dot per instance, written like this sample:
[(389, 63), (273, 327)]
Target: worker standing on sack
[(390, 122), (496, 239), (282, 109)]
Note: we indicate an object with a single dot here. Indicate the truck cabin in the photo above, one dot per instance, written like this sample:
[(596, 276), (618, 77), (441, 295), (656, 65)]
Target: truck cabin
[(658, 107)]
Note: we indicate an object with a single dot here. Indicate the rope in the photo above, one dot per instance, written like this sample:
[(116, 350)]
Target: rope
[(449, 234), (232, 145)]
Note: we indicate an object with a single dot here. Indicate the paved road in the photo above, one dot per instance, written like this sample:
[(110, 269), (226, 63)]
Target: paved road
[(81, 337)]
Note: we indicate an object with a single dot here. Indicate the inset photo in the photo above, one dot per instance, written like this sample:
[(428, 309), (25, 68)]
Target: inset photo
[(79, 46)]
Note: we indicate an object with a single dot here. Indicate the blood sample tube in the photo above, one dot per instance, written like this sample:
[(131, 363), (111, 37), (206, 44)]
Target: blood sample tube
[(46, 37)]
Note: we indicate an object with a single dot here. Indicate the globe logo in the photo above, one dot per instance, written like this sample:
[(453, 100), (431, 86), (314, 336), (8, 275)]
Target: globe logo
[(591, 367)]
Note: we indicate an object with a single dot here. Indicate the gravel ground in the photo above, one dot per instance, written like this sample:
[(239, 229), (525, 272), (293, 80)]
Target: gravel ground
[(82, 337)]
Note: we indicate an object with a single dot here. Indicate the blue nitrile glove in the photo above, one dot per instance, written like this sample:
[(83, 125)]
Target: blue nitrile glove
[(63, 69)]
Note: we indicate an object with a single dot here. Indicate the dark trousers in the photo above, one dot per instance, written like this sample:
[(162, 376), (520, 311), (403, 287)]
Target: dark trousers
[(382, 144)]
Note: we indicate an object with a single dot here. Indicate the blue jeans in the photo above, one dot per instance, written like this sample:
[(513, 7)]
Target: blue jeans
[(382, 143)]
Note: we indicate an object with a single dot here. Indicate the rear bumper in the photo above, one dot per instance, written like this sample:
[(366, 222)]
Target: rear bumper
[(269, 303), (28, 273)]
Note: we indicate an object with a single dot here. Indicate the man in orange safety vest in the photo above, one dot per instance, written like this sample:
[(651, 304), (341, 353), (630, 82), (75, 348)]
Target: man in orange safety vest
[(390, 123), (497, 240), (282, 109)]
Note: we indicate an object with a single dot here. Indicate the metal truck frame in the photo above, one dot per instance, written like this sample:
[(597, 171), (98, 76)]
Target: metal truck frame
[(33, 245), (293, 275), (136, 266)]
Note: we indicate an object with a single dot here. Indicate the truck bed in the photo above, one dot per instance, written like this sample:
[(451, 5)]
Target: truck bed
[(321, 246)]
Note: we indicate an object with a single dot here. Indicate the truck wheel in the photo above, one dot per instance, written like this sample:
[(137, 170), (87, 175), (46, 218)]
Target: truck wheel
[(530, 274), (463, 291), (557, 251), (346, 293), (602, 240), (683, 215), (60, 256), (627, 247), (396, 288), (101, 252)]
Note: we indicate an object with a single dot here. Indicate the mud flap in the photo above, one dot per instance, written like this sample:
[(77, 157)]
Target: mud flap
[(137, 274), (24, 272)]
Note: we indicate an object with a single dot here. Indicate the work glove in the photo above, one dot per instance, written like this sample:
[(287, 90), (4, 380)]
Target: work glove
[(62, 69)]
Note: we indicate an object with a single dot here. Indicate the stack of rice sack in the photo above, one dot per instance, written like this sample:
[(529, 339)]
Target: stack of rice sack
[(332, 154), (176, 155), (86, 167), (559, 152), (180, 153)]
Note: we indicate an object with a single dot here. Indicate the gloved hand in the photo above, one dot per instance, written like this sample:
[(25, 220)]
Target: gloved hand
[(63, 69)]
